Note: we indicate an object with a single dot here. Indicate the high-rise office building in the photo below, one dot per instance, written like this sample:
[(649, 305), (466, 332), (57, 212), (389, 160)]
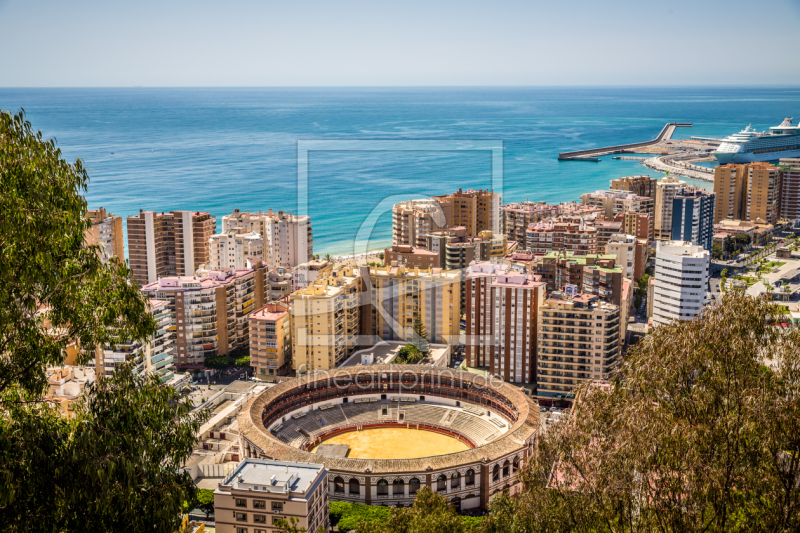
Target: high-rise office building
[(681, 281), (693, 217), (502, 315)]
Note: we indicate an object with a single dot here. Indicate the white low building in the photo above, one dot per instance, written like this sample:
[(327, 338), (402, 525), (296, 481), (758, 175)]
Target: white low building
[(681, 281)]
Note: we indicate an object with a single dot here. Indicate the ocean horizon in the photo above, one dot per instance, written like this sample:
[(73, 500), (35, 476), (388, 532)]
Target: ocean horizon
[(220, 149)]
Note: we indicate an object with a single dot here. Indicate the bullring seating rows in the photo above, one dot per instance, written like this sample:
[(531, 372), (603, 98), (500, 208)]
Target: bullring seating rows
[(296, 431)]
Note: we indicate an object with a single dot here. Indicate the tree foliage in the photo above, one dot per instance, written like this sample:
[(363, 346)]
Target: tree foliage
[(420, 336), (431, 513), (116, 465), (54, 290), (408, 355), (204, 500), (699, 432)]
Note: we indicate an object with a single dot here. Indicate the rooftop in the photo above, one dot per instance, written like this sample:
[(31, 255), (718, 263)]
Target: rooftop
[(273, 476)]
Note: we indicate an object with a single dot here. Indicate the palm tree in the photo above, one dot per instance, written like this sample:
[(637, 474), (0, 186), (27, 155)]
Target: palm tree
[(328, 258)]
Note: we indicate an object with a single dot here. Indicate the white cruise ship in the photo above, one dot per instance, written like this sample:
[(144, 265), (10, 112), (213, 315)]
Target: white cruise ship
[(748, 145)]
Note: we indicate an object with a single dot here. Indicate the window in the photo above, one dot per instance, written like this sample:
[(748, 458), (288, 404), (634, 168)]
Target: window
[(355, 487), (496, 473), (413, 485), (276, 519), (277, 507), (241, 530), (338, 485), (240, 517), (259, 504), (241, 502), (260, 531), (397, 487), (383, 488), (260, 518), (441, 483), (455, 480), (506, 468)]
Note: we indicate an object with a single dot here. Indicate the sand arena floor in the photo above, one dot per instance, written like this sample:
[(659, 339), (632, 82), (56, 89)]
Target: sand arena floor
[(396, 443)]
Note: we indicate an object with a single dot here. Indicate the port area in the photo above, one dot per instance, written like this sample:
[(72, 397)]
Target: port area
[(663, 154)]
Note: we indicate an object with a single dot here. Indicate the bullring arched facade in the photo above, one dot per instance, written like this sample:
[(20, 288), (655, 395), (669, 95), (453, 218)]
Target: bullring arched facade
[(274, 425)]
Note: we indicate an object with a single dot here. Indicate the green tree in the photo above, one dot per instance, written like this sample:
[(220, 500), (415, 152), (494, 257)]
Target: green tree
[(699, 432), (292, 527), (205, 501), (54, 289), (716, 251), (328, 258), (431, 513), (420, 336), (116, 465)]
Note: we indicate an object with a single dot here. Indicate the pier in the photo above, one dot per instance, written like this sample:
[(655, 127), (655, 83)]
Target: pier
[(666, 133)]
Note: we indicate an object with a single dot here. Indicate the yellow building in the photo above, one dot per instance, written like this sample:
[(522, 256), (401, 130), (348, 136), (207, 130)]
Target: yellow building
[(399, 295), (270, 339), (325, 321), (106, 232), (763, 188), (729, 183)]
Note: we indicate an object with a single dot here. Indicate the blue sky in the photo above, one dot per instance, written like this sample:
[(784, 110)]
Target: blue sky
[(413, 43)]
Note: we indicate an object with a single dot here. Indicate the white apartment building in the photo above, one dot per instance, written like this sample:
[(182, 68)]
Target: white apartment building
[(287, 238), (681, 281), (233, 248), (155, 356), (623, 247)]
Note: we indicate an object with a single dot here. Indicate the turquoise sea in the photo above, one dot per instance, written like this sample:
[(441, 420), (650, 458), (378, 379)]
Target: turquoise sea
[(220, 149)]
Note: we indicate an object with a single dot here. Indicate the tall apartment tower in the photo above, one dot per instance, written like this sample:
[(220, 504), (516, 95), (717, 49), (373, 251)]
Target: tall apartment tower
[(502, 315), (156, 356), (790, 188), (288, 238), (580, 342), (233, 248), (106, 231), (638, 185), (693, 217), (681, 281), (326, 319), (475, 211), (729, 187), (666, 189), (211, 310), (763, 192), (168, 244), (399, 295)]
